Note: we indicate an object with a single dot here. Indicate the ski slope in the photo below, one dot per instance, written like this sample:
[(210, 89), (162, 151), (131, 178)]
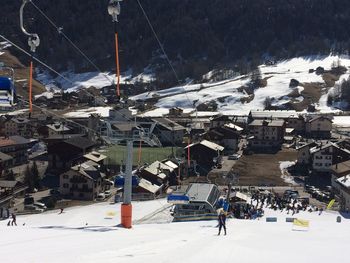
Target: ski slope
[(53, 237)]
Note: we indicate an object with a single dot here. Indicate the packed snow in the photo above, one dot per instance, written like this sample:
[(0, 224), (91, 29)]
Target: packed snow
[(228, 95), (85, 113), (287, 178), (88, 79), (91, 234)]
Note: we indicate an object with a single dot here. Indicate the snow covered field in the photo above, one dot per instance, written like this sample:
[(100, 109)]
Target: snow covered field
[(51, 237), (230, 95)]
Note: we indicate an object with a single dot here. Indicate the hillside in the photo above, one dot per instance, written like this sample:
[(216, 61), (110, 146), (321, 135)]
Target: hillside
[(21, 74), (197, 35), (290, 84)]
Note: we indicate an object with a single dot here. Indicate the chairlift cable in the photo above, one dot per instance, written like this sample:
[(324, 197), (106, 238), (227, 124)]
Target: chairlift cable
[(61, 32)]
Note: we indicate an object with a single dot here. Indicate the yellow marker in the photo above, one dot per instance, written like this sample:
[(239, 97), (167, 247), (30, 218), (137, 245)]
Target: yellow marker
[(331, 203), (301, 222), (110, 213)]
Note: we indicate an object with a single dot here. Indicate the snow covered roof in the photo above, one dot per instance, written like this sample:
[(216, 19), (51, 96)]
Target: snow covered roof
[(274, 114), (212, 145), (270, 123), (208, 144), (233, 126), (171, 164), (58, 127), (147, 185), (95, 156), (157, 167), (344, 181)]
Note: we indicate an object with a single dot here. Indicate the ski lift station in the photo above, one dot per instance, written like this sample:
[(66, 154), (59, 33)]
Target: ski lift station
[(199, 202)]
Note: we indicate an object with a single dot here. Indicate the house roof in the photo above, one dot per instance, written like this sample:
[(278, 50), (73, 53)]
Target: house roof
[(8, 184), (4, 157), (80, 142), (88, 169), (13, 140), (274, 114), (319, 117), (20, 120), (198, 192), (58, 127), (169, 124), (208, 144), (171, 164), (342, 167), (147, 185), (321, 147), (95, 156), (233, 126), (157, 167), (344, 181), (270, 123), (124, 127)]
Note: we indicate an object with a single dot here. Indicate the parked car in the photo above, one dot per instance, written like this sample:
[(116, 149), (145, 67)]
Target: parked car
[(40, 205), (291, 194), (234, 156), (107, 193), (100, 197)]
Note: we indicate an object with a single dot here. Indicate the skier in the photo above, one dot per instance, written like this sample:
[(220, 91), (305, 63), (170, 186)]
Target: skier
[(222, 222), (61, 211), (13, 219)]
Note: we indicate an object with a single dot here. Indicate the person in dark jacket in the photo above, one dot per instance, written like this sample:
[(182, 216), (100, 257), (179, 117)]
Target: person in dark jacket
[(222, 222), (14, 222)]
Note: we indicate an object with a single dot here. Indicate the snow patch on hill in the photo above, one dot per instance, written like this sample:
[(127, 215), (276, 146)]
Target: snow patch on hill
[(228, 94)]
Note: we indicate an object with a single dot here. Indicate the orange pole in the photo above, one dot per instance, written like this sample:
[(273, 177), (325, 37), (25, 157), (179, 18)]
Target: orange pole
[(188, 152), (117, 63), (30, 87), (140, 151)]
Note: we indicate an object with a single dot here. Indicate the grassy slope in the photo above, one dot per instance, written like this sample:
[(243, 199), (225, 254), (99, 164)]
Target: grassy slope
[(21, 72)]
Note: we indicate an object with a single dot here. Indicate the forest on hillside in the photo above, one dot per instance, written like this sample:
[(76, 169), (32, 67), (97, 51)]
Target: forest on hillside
[(198, 35)]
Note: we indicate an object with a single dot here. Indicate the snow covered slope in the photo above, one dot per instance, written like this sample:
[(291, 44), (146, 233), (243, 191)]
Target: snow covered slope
[(51, 237), (232, 99)]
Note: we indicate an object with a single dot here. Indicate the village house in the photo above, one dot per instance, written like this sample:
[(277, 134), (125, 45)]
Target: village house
[(326, 155), (205, 154), (304, 155), (18, 126), (318, 127), (83, 181), (146, 187), (175, 112), (339, 170), (266, 134), (16, 147), (63, 154), (6, 161), (169, 132), (226, 135), (57, 129), (157, 173), (219, 120), (342, 187)]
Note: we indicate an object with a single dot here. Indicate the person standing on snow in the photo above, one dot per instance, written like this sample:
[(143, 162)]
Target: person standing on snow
[(13, 219), (222, 222)]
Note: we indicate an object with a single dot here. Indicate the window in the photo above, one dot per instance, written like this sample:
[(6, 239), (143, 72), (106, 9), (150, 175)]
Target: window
[(65, 185), (65, 176)]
